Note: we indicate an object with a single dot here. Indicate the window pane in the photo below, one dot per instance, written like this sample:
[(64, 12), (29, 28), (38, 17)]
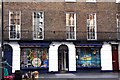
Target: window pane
[(90, 0), (71, 18), (70, 25), (34, 14), (38, 25), (67, 19), (12, 31), (14, 25), (91, 26), (118, 20)]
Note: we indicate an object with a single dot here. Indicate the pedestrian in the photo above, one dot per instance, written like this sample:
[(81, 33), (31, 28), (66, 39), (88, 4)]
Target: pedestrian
[(35, 75), (5, 64)]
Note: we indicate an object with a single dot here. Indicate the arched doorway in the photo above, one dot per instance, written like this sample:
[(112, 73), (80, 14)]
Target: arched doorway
[(8, 56), (63, 58)]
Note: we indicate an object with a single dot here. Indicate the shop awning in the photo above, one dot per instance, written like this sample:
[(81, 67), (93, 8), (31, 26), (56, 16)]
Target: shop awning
[(37, 44), (88, 45)]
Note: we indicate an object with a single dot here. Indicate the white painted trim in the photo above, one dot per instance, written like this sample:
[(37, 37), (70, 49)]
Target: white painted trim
[(33, 24), (93, 1), (53, 59), (75, 25), (117, 1), (70, 0), (9, 23), (95, 27), (20, 24), (106, 57)]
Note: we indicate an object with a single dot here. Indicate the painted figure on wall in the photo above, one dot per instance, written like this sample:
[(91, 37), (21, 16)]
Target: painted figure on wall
[(88, 57), (34, 57)]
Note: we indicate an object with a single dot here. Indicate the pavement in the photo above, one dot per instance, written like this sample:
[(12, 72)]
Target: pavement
[(80, 76)]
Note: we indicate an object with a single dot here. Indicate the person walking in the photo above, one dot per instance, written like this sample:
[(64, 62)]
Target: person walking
[(5, 64)]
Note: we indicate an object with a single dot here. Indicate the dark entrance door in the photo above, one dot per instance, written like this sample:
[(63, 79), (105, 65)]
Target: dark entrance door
[(63, 58), (8, 57), (115, 57)]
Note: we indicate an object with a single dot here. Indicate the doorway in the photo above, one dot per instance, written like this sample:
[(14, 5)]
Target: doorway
[(63, 60), (115, 57), (8, 56)]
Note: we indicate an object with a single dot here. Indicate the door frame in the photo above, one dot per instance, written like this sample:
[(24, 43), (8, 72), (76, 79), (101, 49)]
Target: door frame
[(115, 60), (61, 54), (8, 48)]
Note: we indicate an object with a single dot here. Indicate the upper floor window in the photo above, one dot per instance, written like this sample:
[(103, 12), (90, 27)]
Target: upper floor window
[(117, 1), (118, 25), (14, 25), (70, 0), (71, 25), (90, 0), (38, 25), (91, 27)]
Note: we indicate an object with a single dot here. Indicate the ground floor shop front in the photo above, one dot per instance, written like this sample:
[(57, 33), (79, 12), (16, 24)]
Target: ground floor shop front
[(62, 56)]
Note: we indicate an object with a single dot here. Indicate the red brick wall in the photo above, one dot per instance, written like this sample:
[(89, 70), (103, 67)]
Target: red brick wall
[(54, 17)]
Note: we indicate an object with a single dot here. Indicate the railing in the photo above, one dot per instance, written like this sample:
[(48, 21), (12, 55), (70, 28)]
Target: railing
[(63, 35)]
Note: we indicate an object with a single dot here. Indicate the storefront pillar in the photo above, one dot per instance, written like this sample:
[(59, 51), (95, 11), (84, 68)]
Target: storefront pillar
[(106, 57), (16, 56), (53, 56)]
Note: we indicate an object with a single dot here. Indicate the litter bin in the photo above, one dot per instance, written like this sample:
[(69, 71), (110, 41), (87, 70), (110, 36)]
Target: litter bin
[(18, 75)]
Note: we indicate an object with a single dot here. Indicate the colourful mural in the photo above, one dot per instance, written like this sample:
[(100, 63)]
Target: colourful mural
[(88, 57), (34, 57)]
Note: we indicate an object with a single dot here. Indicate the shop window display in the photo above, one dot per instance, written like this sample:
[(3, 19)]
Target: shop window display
[(34, 57), (88, 57)]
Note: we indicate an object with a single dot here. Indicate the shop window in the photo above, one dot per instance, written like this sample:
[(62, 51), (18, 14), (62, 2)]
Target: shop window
[(118, 26), (71, 25), (34, 58), (38, 25), (91, 27), (88, 57), (14, 25)]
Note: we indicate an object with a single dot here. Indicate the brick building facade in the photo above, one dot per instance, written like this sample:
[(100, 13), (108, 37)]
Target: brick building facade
[(71, 36)]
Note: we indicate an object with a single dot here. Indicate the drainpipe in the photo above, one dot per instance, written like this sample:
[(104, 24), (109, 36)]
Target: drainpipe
[(2, 40)]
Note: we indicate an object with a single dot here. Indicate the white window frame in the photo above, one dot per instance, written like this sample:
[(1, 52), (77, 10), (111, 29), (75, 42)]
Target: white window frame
[(70, 0), (42, 26), (94, 1), (67, 26), (117, 1), (118, 26), (95, 29), (16, 26)]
